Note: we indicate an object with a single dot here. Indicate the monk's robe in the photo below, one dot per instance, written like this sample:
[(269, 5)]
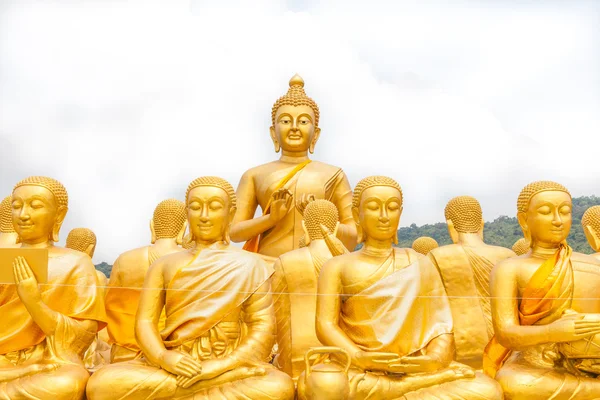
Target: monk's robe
[(465, 273), (213, 310), (295, 295), (401, 313), (54, 363), (98, 354), (321, 180), (541, 371), (122, 299)]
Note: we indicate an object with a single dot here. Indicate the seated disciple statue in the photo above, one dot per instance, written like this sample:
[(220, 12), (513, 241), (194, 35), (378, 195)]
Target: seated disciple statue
[(424, 245), (46, 329), (465, 269), (295, 288), (591, 227), (220, 322), (8, 235), (282, 187), (167, 227), (521, 247), (392, 318), (545, 308), (98, 354)]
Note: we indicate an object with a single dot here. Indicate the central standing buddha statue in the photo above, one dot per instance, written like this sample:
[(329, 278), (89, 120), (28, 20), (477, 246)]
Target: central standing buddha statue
[(281, 188)]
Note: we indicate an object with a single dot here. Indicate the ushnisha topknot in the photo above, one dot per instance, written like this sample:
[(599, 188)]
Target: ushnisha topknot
[(319, 212), (80, 239), (370, 181), (54, 186), (6, 225), (295, 96), (465, 214), (591, 217), (168, 218), (424, 244), (214, 181), (534, 188)]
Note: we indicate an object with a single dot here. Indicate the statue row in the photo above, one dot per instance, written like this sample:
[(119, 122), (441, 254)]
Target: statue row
[(191, 317)]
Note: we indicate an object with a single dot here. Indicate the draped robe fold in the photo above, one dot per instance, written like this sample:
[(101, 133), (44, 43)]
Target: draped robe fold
[(401, 313), (213, 310), (73, 292), (539, 370), (321, 180)]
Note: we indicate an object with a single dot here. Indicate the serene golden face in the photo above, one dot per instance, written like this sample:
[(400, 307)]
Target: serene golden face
[(379, 212), (35, 213), (548, 218), (294, 128), (209, 213)]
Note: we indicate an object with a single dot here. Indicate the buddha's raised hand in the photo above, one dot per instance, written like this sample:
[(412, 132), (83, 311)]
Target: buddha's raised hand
[(280, 205)]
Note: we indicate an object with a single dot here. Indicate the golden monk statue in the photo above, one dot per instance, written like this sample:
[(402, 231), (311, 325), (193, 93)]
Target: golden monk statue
[(391, 314), (591, 227), (282, 187), (8, 236), (220, 320), (46, 329), (295, 288), (465, 269), (98, 354), (167, 228), (424, 245), (545, 308), (521, 247)]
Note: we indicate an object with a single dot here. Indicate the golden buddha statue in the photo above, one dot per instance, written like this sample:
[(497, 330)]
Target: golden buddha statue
[(521, 247), (543, 307), (465, 269), (424, 245), (167, 227), (591, 227), (47, 328), (390, 312), (295, 288), (282, 187), (220, 320), (8, 236), (98, 354)]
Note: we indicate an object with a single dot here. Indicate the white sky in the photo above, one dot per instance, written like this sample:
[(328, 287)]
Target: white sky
[(126, 102)]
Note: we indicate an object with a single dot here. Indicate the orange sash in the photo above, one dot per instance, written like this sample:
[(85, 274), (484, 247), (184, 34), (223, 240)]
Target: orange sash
[(252, 244), (541, 297)]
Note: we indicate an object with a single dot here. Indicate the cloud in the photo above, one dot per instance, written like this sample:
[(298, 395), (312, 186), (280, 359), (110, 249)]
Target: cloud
[(127, 102)]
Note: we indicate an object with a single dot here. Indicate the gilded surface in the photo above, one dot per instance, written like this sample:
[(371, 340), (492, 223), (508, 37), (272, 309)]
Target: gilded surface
[(465, 269), (220, 322), (591, 226), (167, 227), (391, 313), (47, 329), (545, 320), (8, 236), (280, 187)]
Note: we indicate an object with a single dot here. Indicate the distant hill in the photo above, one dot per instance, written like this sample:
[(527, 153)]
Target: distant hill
[(503, 231)]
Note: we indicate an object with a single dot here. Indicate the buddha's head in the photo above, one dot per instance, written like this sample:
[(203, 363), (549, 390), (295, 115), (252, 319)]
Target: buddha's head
[(82, 239), (463, 215), (211, 206), (169, 221), (591, 226), (424, 244), (544, 213), (317, 213), (376, 208), (6, 224), (295, 120), (521, 247), (39, 207)]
